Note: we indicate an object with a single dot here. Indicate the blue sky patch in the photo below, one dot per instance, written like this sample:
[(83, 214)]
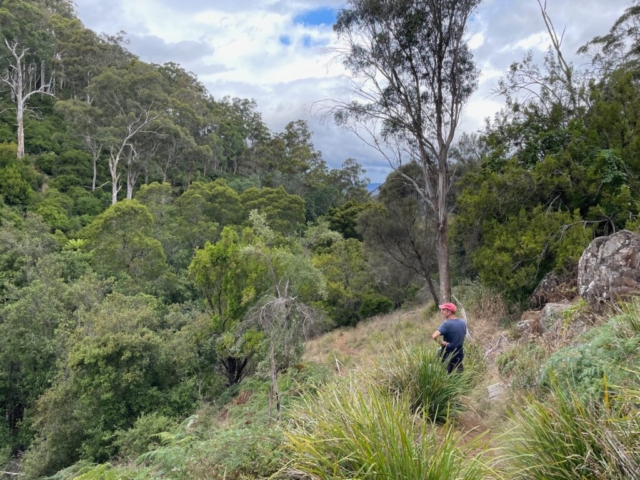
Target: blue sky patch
[(285, 39), (319, 16)]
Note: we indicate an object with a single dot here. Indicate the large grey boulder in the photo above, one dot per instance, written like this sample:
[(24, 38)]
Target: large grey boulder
[(609, 269), (555, 288)]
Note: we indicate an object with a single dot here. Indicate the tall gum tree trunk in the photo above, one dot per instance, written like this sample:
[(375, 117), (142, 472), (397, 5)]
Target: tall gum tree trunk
[(20, 109), (22, 83), (442, 214), (115, 177), (20, 121), (443, 263), (114, 192), (95, 174)]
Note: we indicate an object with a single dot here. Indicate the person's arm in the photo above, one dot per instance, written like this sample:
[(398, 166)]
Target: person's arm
[(436, 337)]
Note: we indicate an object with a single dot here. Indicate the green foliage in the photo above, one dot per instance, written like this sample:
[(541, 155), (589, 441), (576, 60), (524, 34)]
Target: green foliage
[(354, 430), (15, 177), (516, 253), (373, 305), (121, 241), (119, 366), (522, 365), (284, 212), (349, 282), (244, 452), (213, 202), (22, 243), (6, 444), (563, 437), (230, 283), (553, 176), (145, 433), (604, 355), (421, 376), (344, 219), (55, 209)]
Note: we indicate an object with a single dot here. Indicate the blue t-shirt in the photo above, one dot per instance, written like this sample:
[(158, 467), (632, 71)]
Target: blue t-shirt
[(453, 331)]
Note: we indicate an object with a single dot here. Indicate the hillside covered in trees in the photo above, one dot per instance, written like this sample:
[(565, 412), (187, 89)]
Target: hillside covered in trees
[(160, 246)]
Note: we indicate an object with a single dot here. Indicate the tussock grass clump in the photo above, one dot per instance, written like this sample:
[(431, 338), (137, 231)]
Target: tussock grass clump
[(358, 431), (419, 374), (563, 437)]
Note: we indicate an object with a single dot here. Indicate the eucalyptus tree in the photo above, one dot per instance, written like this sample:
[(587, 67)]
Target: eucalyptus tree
[(131, 101), (83, 121), (413, 73), (396, 234), (621, 46), (81, 54), (27, 47)]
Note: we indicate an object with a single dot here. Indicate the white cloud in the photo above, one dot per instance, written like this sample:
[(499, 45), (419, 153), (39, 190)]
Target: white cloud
[(538, 41), (476, 41), (256, 49)]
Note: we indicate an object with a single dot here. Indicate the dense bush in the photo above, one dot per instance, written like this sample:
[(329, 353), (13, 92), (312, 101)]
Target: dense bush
[(355, 430), (609, 354)]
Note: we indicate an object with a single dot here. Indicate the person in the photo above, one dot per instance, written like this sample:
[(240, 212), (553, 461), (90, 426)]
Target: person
[(453, 331)]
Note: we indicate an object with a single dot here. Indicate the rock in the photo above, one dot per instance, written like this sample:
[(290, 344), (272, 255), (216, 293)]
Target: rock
[(551, 314), (555, 288), (495, 391), (529, 325), (609, 269), (534, 323)]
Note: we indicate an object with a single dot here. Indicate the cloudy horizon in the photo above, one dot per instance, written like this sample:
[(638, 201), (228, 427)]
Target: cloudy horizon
[(278, 52)]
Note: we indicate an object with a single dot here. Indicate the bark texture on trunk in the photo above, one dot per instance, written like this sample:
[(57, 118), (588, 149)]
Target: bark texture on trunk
[(114, 160), (20, 121), (20, 109), (443, 263)]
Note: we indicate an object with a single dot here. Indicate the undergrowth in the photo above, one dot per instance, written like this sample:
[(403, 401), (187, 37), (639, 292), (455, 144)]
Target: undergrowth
[(356, 430), (233, 439), (565, 437), (419, 374)]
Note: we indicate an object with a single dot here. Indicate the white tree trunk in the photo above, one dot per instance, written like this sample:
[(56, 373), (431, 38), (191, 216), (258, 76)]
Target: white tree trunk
[(114, 160), (19, 89), (22, 85), (20, 122), (95, 173)]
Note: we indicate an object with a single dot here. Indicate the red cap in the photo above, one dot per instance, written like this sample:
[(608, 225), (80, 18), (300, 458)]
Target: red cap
[(449, 306)]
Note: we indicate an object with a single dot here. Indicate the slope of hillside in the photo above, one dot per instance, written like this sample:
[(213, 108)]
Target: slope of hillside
[(239, 437)]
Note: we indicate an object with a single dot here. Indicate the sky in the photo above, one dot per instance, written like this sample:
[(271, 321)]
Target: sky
[(278, 52)]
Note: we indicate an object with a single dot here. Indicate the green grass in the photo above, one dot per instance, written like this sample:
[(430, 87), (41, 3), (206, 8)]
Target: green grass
[(522, 365), (565, 438), (419, 374), (355, 430)]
